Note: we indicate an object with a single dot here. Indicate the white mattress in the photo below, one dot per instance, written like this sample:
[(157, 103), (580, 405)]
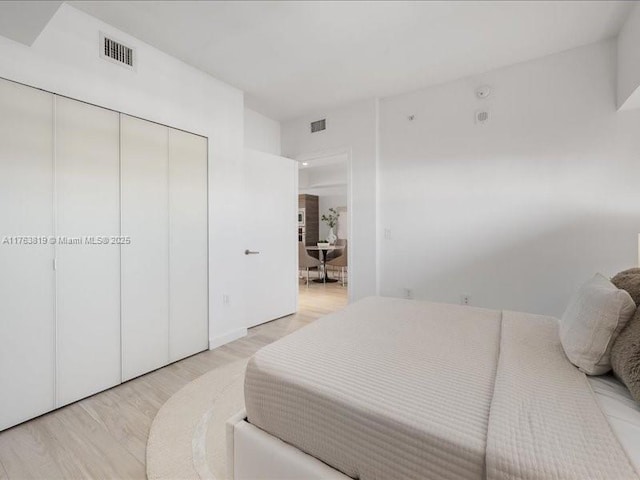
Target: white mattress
[(622, 412)]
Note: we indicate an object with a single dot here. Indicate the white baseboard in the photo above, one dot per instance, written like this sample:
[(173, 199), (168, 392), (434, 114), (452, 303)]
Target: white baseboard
[(220, 340)]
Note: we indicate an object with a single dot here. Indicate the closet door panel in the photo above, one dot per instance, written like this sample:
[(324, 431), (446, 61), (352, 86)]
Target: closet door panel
[(27, 322), (145, 262), (188, 264), (88, 273)]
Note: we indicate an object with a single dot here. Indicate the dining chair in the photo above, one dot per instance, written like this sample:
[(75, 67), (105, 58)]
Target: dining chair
[(307, 261), (331, 254), (340, 262)]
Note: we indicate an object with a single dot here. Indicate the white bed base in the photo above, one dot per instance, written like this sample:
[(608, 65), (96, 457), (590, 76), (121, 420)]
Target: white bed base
[(254, 454)]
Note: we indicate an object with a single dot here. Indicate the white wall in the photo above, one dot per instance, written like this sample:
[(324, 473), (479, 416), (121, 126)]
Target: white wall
[(325, 202), (352, 129), (261, 133), (629, 62), (518, 212), (64, 59)]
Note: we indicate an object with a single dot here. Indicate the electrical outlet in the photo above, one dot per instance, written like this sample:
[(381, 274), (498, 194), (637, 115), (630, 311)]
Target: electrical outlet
[(225, 300), (408, 293), (465, 299), (387, 234)]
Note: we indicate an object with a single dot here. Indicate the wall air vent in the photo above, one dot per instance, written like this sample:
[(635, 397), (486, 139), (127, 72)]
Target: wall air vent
[(116, 52), (482, 116), (319, 125)]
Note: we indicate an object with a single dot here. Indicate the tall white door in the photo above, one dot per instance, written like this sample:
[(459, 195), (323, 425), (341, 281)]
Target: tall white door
[(144, 160), (27, 325), (188, 245), (88, 270), (270, 280)]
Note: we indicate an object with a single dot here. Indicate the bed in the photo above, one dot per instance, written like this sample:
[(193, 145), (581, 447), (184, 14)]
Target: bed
[(391, 388)]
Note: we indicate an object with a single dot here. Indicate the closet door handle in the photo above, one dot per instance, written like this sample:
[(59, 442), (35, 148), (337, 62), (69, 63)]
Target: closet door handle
[(250, 252)]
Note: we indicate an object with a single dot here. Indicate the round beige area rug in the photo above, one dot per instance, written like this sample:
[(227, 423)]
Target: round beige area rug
[(188, 435)]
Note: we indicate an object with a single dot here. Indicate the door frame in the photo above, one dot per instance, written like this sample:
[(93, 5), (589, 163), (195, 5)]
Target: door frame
[(346, 151)]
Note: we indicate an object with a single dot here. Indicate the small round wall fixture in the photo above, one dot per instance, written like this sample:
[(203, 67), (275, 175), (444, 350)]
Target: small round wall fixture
[(483, 92)]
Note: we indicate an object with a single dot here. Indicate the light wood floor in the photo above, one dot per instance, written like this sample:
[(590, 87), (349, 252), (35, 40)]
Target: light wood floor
[(105, 436)]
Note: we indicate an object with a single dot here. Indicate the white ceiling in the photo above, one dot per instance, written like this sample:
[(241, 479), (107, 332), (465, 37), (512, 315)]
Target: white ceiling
[(23, 21), (295, 57), (328, 162), (324, 176)]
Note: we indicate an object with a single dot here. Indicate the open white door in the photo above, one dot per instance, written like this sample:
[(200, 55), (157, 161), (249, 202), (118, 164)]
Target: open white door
[(270, 225)]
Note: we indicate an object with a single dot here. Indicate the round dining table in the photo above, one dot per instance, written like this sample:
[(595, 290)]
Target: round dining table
[(324, 250)]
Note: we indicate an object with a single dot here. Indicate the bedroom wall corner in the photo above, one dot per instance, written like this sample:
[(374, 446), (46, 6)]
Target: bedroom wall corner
[(261, 132), (628, 65)]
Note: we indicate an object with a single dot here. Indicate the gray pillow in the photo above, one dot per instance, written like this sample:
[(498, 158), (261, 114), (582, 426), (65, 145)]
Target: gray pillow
[(625, 356), (595, 316)]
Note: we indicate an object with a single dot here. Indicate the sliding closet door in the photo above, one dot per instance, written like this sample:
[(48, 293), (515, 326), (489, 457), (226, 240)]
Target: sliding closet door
[(145, 262), (27, 356), (188, 319), (88, 270)]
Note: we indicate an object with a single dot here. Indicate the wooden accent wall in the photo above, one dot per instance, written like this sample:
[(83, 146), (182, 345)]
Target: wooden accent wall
[(312, 217)]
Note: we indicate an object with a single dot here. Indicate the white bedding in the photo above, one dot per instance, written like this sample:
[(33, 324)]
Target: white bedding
[(622, 412), (377, 392), (391, 388), (545, 421)]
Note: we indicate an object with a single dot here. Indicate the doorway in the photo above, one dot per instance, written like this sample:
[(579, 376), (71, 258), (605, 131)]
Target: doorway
[(323, 225)]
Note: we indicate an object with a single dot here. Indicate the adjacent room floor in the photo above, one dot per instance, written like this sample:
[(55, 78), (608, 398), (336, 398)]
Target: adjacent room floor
[(105, 436)]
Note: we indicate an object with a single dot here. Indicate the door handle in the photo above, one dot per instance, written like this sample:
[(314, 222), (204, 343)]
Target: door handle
[(249, 252)]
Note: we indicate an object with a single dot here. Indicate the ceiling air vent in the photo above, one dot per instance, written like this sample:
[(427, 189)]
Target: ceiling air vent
[(319, 125), (116, 52)]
